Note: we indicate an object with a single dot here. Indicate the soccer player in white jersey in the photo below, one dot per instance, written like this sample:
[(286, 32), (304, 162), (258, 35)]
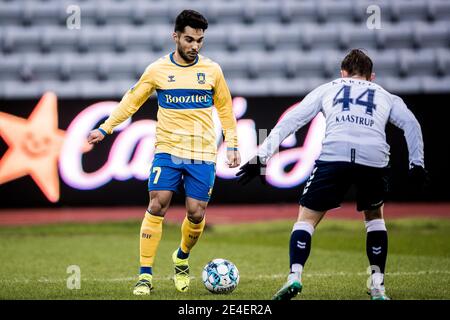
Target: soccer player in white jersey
[(354, 151)]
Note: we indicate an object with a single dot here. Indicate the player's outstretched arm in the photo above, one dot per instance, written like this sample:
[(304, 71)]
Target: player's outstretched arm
[(130, 103), (404, 119), (224, 106), (292, 121), (289, 123)]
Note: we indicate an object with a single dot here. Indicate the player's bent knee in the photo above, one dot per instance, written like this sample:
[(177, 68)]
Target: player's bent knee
[(310, 216), (197, 216), (373, 214), (156, 208), (195, 209), (196, 213)]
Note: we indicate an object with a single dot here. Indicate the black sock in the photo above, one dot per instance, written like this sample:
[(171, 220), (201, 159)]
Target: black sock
[(300, 245), (376, 248)]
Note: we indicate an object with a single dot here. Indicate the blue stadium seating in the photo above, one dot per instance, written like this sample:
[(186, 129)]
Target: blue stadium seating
[(265, 47)]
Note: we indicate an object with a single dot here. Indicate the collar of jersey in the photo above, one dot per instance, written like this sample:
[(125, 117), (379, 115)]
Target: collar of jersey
[(180, 65)]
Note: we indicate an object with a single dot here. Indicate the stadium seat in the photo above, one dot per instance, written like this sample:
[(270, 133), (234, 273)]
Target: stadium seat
[(75, 67), (221, 12), (325, 36), (331, 66), (176, 7), (112, 13), (263, 65), (44, 66), (141, 61), (216, 39), (442, 62), (149, 12), (14, 89), (247, 38), (297, 11), (439, 10), (334, 11), (258, 87), (55, 39), (18, 39), (280, 38), (260, 12), (98, 89), (259, 44), (417, 62), (432, 35), (407, 85), (234, 66), (10, 67), (129, 38), (10, 13), (411, 10), (118, 67), (395, 36), (356, 36), (63, 90), (302, 65), (435, 85), (386, 63), (96, 39), (279, 86)]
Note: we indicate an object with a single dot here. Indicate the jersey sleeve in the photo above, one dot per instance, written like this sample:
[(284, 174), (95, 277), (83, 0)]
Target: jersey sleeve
[(133, 99), (404, 119), (224, 106), (292, 121)]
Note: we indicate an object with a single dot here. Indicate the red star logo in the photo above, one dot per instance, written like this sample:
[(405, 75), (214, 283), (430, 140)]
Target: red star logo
[(34, 146)]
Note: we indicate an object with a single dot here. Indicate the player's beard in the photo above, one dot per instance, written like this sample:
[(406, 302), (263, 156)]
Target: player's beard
[(185, 56)]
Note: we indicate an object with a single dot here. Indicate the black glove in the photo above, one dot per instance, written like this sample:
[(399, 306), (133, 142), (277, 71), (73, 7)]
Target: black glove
[(250, 170), (418, 178)]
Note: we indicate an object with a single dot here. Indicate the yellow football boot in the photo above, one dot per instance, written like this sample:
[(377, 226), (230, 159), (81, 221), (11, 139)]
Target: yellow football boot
[(144, 285), (181, 277)]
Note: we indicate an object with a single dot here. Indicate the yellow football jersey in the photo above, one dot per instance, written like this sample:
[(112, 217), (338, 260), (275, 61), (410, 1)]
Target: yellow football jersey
[(186, 95)]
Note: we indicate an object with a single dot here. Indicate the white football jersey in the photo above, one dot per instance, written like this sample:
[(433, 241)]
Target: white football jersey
[(356, 113)]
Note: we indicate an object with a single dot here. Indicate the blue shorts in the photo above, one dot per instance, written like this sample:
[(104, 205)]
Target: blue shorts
[(171, 173)]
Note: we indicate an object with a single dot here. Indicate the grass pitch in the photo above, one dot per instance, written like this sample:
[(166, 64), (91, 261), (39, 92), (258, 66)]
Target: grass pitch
[(34, 260)]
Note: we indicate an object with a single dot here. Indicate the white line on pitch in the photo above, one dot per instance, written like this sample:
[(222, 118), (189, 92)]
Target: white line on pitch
[(273, 276)]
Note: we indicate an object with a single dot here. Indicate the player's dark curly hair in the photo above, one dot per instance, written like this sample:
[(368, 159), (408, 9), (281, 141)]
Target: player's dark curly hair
[(357, 63), (192, 19)]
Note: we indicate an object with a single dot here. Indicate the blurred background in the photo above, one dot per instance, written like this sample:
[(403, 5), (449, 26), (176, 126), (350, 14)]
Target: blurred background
[(64, 209), (64, 65), (81, 56)]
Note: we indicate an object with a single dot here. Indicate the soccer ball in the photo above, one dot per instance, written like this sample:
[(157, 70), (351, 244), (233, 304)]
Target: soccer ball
[(220, 276)]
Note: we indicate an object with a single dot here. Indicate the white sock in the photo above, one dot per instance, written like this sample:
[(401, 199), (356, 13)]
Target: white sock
[(375, 225)]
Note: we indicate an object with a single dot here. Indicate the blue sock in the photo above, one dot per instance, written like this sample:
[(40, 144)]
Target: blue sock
[(182, 255), (145, 270)]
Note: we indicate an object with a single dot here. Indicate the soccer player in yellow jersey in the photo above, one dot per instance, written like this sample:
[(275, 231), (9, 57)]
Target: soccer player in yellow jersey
[(187, 86)]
